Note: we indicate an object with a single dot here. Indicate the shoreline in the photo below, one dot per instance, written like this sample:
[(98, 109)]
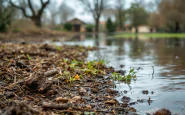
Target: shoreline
[(47, 79)]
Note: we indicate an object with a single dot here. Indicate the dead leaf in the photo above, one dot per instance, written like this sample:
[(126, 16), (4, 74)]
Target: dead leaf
[(111, 102), (77, 77), (75, 99), (61, 99), (82, 90)]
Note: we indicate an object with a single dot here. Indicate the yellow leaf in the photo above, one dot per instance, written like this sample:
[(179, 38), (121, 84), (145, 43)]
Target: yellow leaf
[(77, 77), (66, 80)]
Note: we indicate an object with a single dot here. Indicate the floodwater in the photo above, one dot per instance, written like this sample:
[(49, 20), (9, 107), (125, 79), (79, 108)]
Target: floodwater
[(160, 67)]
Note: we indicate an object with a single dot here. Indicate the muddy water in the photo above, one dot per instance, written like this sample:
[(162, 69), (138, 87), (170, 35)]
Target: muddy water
[(160, 67)]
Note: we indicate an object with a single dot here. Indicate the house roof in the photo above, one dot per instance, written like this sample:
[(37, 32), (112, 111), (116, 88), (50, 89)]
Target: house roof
[(76, 21)]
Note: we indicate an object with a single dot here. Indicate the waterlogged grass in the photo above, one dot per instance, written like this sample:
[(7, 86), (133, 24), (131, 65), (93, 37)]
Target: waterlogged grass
[(124, 78), (150, 35)]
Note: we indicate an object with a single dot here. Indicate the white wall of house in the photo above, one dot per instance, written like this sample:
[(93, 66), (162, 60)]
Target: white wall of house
[(143, 29)]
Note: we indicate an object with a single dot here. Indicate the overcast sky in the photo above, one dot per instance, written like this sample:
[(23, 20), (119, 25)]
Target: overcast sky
[(79, 11)]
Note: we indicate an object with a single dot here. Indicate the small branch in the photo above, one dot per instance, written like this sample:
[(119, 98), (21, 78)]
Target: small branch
[(21, 8), (67, 106), (44, 4), (31, 7), (55, 106), (153, 72)]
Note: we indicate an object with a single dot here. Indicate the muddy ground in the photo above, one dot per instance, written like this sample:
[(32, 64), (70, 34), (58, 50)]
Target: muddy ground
[(44, 79)]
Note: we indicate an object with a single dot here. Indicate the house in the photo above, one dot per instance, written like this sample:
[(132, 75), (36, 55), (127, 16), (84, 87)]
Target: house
[(144, 29), (77, 25), (102, 26)]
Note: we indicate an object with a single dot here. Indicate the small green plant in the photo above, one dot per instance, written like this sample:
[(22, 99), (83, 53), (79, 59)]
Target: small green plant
[(117, 76), (131, 75), (58, 48), (81, 77), (74, 63), (65, 60), (90, 65), (102, 62), (28, 56), (126, 78), (71, 80)]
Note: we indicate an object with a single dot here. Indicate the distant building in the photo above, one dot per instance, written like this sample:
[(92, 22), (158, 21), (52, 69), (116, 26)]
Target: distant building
[(144, 29), (78, 25), (102, 26), (127, 27)]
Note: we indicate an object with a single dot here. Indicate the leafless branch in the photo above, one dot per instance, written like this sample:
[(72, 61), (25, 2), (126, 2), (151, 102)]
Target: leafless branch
[(31, 7), (44, 4), (21, 8)]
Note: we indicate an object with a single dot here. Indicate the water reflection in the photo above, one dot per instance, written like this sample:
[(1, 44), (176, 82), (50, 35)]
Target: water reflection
[(163, 69)]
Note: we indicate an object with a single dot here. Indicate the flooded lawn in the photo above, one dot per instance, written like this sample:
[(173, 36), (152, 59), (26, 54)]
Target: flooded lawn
[(160, 67)]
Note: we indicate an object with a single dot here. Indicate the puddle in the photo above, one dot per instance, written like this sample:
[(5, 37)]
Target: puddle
[(160, 67)]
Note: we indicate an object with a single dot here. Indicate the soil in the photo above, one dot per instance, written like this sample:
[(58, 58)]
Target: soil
[(42, 79)]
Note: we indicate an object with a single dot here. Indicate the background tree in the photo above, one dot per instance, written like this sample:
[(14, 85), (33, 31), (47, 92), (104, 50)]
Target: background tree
[(35, 16), (68, 26), (5, 15), (110, 25), (65, 12), (53, 10), (96, 8), (89, 28), (172, 11), (137, 15), (120, 12), (155, 20)]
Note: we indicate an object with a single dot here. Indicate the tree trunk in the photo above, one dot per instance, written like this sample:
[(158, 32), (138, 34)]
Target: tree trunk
[(177, 28), (136, 29), (37, 21), (97, 25), (120, 20)]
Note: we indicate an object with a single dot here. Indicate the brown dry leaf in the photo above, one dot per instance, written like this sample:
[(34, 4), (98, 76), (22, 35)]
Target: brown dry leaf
[(111, 91), (114, 112), (131, 109), (82, 90), (108, 97), (61, 99), (88, 106), (111, 102), (75, 99)]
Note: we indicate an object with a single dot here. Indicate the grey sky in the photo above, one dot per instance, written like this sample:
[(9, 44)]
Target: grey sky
[(87, 17), (79, 11)]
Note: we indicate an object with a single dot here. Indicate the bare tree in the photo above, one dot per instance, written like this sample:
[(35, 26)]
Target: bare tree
[(155, 20), (53, 13), (6, 15), (35, 16), (59, 13), (138, 15), (96, 8), (173, 13), (120, 12), (65, 12)]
